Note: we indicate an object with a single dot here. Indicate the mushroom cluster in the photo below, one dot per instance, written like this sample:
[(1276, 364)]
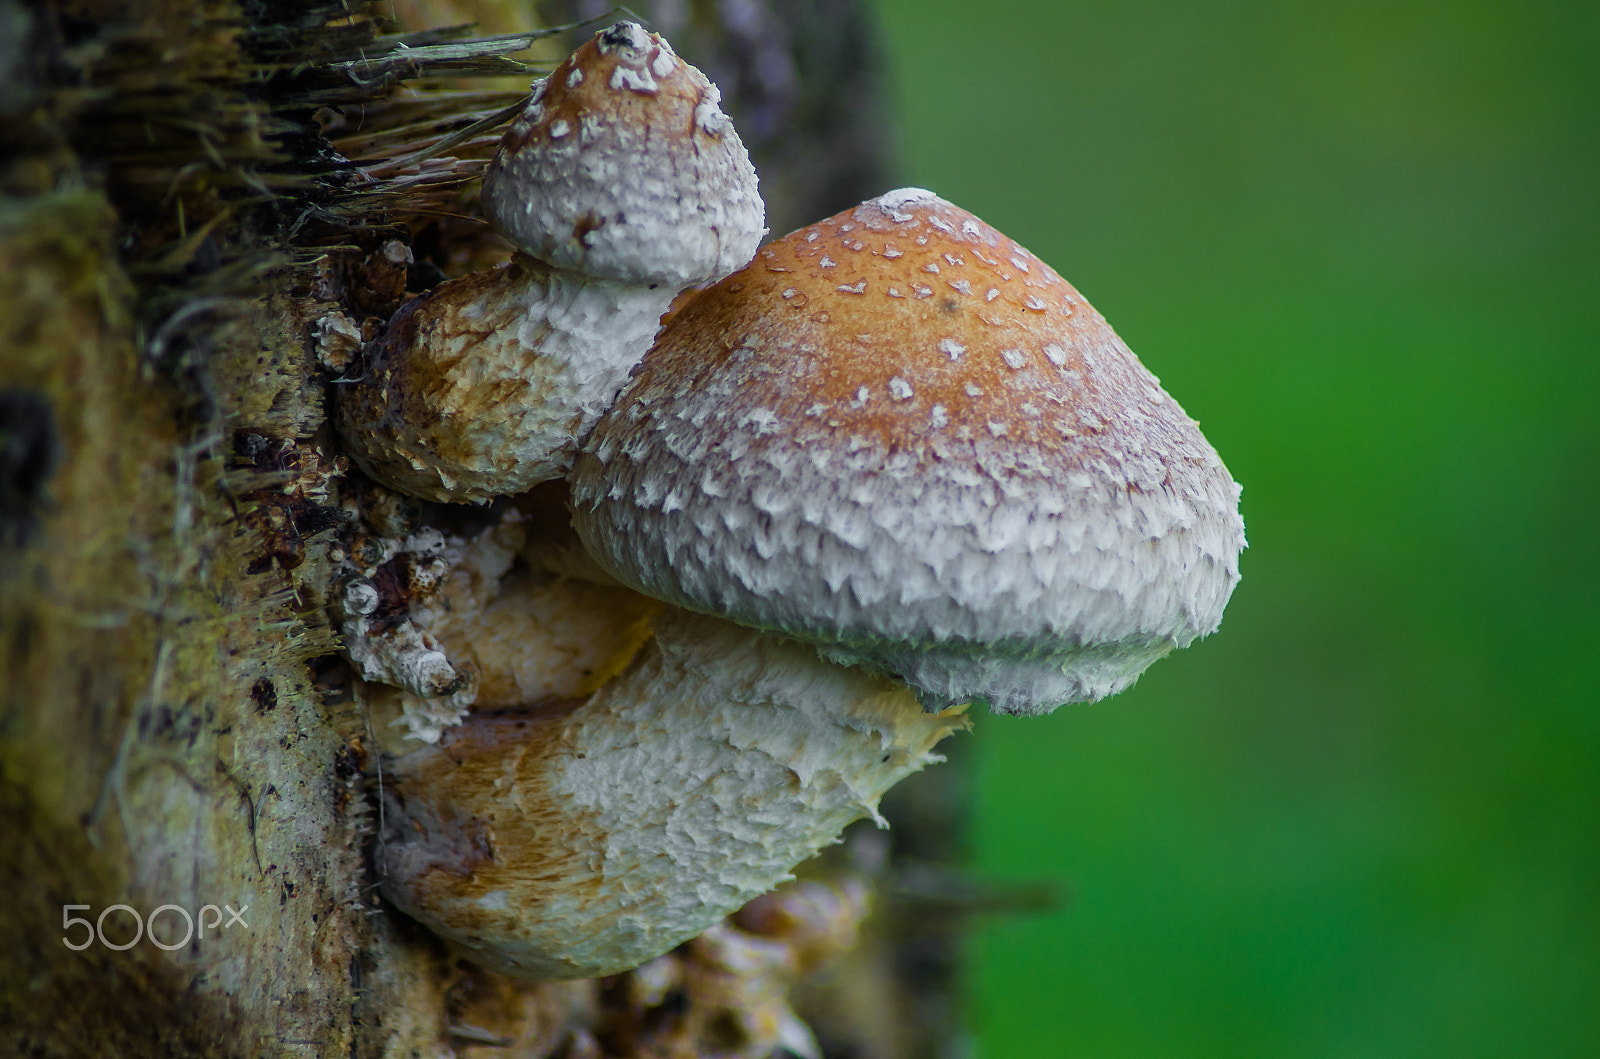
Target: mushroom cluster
[(892, 466), (621, 184)]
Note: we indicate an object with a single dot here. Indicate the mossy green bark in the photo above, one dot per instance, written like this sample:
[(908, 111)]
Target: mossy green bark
[(162, 742)]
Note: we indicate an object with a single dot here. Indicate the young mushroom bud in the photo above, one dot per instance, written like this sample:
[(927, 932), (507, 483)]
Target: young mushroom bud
[(584, 838), (621, 184), (903, 438)]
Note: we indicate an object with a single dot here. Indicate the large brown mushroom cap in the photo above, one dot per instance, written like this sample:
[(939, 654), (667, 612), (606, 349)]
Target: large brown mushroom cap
[(899, 435)]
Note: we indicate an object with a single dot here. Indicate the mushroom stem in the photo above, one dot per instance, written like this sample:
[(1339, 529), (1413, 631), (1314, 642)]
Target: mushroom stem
[(582, 839), (484, 387)]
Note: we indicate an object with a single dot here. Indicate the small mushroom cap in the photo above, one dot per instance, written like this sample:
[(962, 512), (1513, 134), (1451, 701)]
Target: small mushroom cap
[(624, 166), (900, 436)]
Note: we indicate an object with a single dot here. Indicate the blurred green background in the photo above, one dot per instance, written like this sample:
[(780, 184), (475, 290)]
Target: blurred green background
[(1359, 243)]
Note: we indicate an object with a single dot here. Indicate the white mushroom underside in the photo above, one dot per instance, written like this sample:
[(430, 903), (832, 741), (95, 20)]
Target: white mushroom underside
[(983, 578), (681, 790)]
